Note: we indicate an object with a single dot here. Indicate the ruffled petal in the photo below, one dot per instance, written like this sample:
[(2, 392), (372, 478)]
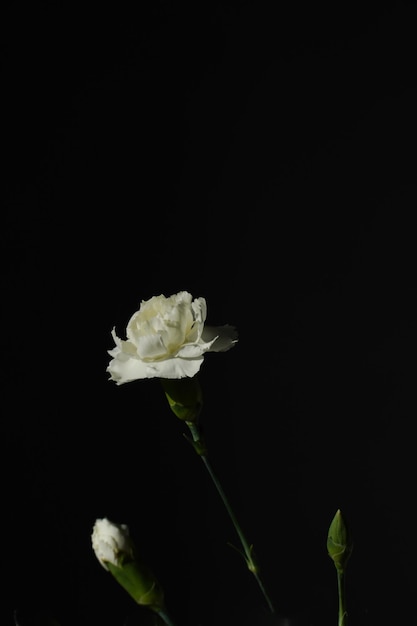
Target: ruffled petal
[(195, 350), (177, 368), (121, 346), (150, 347), (222, 338), (124, 369)]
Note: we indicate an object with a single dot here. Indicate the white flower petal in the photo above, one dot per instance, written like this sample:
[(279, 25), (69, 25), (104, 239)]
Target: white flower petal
[(199, 308), (125, 368), (177, 368), (195, 350), (151, 347), (224, 337)]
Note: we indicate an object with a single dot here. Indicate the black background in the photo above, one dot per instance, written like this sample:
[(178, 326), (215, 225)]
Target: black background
[(262, 157)]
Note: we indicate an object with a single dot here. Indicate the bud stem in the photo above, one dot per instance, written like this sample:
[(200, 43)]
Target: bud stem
[(339, 548), (248, 549), (166, 618), (342, 598)]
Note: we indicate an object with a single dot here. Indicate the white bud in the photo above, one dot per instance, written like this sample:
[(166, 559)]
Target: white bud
[(111, 542)]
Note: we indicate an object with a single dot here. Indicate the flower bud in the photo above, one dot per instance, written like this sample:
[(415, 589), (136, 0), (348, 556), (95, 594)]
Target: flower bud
[(339, 542), (116, 552), (184, 396), (111, 543)]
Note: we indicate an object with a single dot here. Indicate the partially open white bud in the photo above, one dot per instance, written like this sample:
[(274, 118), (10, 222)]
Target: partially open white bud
[(116, 552), (111, 543)]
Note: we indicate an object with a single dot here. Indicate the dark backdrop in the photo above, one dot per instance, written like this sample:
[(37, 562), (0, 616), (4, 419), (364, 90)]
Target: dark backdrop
[(261, 157)]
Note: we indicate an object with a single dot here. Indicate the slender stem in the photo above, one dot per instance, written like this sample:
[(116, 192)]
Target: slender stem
[(166, 618), (248, 549), (341, 587)]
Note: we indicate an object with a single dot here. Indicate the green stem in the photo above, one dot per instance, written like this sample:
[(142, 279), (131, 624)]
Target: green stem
[(341, 587), (248, 549), (166, 618)]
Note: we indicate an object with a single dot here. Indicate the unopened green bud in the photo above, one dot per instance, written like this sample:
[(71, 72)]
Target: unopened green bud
[(184, 396), (339, 542), (116, 552)]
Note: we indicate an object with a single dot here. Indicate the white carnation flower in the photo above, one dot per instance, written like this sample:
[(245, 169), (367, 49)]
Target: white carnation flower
[(167, 338)]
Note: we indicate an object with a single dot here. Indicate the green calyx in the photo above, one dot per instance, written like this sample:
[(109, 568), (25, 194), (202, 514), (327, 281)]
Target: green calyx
[(184, 397), (339, 542), (140, 584)]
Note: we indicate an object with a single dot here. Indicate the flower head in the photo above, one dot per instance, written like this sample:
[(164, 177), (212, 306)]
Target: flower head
[(115, 551), (167, 338), (111, 543), (339, 541)]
